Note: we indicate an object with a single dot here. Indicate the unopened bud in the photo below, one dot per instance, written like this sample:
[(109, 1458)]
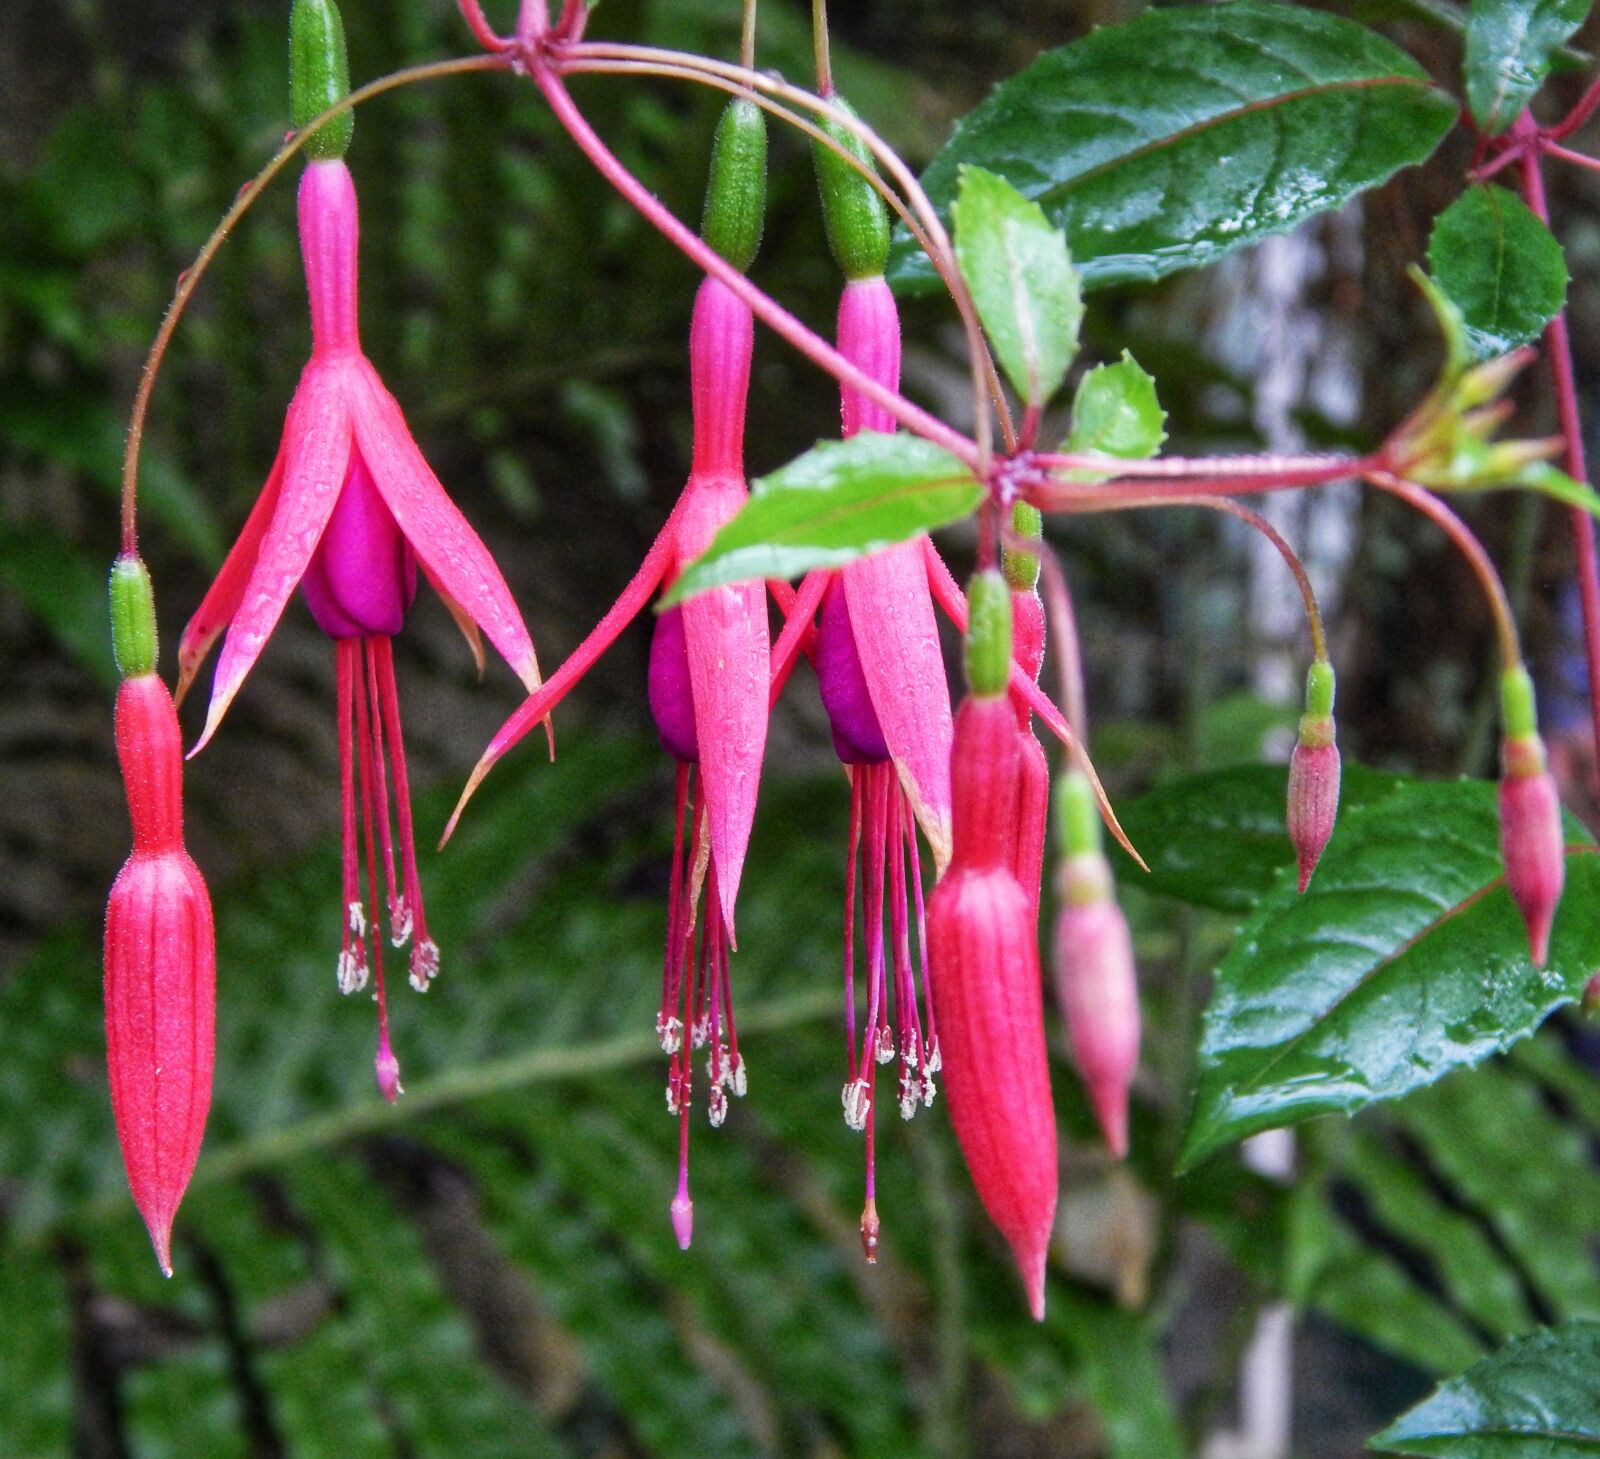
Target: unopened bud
[(853, 214), (1314, 774), (319, 76), (1531, 839)]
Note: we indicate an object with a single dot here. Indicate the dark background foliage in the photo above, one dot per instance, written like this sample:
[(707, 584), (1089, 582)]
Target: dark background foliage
[(489, 1269)]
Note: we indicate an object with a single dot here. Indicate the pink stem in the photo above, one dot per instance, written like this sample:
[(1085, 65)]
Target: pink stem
[(769, 311), (478, 24), (1560, 343), (1566, 154), (1586, 106)]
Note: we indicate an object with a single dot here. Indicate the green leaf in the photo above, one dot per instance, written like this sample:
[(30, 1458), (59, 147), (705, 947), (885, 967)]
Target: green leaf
[(842, 499), (1537, 1398), (1022, 281), (1173, 139), (1510, 45), (1501, 268), (1116, 412), (1403, 960), (1219, 840), (1542, 477)]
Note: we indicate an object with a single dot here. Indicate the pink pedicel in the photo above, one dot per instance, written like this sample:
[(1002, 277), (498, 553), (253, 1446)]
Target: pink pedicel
[(984, 963), (1531, 839), (1098, 991), (349, 513), (1313, 798), (160, 970)]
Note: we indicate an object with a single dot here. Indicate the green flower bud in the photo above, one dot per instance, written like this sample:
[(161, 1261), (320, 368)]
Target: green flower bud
[(1518, 714), (736, 195), (319, 76), (1077, 816)]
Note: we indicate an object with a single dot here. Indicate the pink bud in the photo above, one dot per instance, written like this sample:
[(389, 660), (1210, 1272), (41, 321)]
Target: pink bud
[(160, 971), (1098, 991), (1531, 839), (1313, 799)]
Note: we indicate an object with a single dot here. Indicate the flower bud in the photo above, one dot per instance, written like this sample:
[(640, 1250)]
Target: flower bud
[(1314, 773), (736, 195), (1531, 839), (1530, 815), (1096, 985), (984, 967), (160, 971)]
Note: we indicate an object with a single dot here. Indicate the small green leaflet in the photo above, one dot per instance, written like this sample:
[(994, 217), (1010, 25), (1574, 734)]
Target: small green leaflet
[(1510, 45), (1501, 268), (1404, 959), (1022, 281), (1116, 413), (1538, 1397), (842, 499), (1170, 140)]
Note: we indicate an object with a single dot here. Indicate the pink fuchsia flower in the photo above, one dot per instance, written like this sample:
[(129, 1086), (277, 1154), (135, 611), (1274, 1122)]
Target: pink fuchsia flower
[(350, 513), (984, 963), (881, 675), (160, 949)]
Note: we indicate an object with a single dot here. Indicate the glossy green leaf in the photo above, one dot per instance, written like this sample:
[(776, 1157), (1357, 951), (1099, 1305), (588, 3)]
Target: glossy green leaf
[(840, 500), (1116, 412), (1219, 839), (1170, 140), (1403, 960), (1510, 45), (1538, 1397), (1022, 281), (1500, 266)]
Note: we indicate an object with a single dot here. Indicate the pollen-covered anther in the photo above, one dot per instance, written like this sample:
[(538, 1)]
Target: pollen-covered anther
[(929, 1089), (910, 1093), (736, 1078), (675, 1099), (424, 964), (884, 1050), (352, 971), (857, 1100), (717, 1106), (935, 1063), (356, 919), (399, 921), (670, 1032), (701, 1032)]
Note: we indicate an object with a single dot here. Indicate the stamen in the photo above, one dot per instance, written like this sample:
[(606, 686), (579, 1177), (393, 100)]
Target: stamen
[(386, 1066), (352, 969), (682, 1206), (884, 1051), (424, 951), (393, 897), (857, 1098), (356, 918), (852, 856), (670, 1032), (669, 1027), (352, 965)]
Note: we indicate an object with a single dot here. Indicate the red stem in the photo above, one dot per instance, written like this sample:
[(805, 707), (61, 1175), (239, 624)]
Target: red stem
[(1586, 107), (1560, 344)]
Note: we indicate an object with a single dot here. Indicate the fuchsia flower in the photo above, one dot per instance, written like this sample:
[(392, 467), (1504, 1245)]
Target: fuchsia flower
[(160, 970), (1314, 774), (881, 675), (983, 957), (349, 513), (710, 671)]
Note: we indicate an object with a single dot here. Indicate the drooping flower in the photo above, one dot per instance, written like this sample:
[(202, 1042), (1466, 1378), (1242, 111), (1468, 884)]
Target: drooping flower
[(984, 962), (710, 678), (350, 513), (160, 948)]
